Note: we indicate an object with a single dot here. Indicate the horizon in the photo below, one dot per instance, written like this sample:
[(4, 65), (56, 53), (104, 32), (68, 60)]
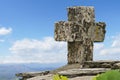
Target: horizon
[(27, 30)]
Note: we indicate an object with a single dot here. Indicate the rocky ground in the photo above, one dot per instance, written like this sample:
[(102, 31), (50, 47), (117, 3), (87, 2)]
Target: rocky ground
[(49, 77), (74, 71), (82, 78)]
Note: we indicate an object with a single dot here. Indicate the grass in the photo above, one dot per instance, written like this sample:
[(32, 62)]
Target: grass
[(109, 75)]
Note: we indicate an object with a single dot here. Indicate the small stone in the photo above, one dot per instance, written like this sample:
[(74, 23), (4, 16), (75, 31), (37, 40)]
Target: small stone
[(116, 66)]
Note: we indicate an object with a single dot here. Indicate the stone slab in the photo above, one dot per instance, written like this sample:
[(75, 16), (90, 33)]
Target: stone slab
[(44, 77), (31, 74), (49, 77), (82, 78), (84, 71), (102, 64), (72, 74)]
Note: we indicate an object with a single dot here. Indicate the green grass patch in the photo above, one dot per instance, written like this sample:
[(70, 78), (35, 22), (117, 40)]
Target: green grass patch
[(59, 77), (109, 75)]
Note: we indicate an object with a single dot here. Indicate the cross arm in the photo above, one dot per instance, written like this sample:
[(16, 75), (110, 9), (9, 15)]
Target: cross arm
[(68, 31), (99, 33)]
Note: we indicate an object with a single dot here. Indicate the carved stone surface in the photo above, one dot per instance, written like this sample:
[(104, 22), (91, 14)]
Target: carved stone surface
[(81, 14), (69, 31), (102, 64), (80, 51), (79, 72), (27, 75), (80, 25), (99, 32), (80, 31), (72, 31)]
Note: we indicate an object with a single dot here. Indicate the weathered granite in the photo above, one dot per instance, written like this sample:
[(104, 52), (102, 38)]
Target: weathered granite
[(49, 77), (81, 14), (73, 73), (102, 64), (73, 31), (90, 68), (81, 72), (80, 31), (82, 78), (44, 77), (80, 25), (116, 66), (28, 75), (69, 31), (80, 51), (99, 32), (70, 73)]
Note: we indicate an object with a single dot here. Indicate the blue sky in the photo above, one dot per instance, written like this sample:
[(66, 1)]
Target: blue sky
[(27, 30)]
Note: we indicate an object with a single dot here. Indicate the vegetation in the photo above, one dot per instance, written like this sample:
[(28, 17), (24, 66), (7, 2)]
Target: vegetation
[(59, 77), (109, 75)]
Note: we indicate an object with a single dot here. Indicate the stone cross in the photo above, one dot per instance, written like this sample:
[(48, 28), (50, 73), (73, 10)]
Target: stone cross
[(80, 31)]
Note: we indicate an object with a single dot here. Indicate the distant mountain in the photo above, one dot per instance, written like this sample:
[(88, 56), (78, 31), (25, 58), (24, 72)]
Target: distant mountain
[(8, 71)]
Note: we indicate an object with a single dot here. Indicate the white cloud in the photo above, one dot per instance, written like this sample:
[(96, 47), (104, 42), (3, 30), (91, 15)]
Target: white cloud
[(108, 52), (116, 41), (98, 46), (42, 51), (5, 31), (114, 48)]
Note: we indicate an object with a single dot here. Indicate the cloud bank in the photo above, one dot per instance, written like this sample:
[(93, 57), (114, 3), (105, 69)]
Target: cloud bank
[(48, 50), (40, 51), (111, 52)]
